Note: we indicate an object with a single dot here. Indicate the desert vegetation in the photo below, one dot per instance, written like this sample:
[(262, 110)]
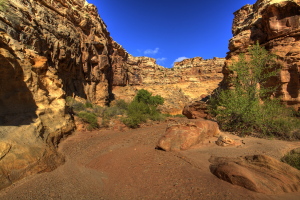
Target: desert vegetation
[(292, 158), (248, 107), (142, 108), (132, 114), (2, 4)]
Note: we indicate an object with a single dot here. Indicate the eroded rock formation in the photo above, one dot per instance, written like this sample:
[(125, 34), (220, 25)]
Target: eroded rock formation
[(275, 24), (258, 173), (53, 49), (48, 50), (196, 110), (183, 134), (186, 81)]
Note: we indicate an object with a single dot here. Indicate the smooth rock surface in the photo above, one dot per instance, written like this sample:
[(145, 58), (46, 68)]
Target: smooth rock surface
[(183, 134), (257, 173)]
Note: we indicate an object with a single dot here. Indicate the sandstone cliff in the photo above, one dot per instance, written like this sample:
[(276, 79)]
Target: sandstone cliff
[(275, 24), (48, 50), (53, 49), (186, 81)]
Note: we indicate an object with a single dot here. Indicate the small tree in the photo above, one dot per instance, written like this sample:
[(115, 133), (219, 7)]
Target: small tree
[(247, 107), (147, 98), (143, 107)]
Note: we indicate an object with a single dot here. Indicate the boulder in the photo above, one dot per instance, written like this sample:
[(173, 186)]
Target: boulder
[(196, 110), (257, 173), (184, 134)]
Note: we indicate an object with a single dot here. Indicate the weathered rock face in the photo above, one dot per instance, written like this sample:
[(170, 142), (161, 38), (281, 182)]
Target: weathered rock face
[(275, 24), (186, 81), (196, 110), (53, 49), (208, 70), (48, 50), (182, 135), (258, 173)]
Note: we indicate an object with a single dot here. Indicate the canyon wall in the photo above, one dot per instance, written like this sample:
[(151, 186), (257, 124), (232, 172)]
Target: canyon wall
[(186, 81), (48, 50), (275, 24), (53, 49)]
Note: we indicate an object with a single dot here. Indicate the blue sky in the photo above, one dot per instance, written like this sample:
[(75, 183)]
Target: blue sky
[(170, 30)]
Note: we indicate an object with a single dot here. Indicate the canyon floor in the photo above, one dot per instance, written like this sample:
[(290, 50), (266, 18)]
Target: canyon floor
[(116, 165)]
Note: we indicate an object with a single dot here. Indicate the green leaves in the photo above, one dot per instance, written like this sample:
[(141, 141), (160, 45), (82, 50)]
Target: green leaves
[(251, 75), (147, 98), (143, 107), (247, 107), (3, 5)]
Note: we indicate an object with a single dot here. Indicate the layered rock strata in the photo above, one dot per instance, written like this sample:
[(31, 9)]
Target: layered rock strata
[(53, 49), (275, 25), (186, 81), (48, 50)]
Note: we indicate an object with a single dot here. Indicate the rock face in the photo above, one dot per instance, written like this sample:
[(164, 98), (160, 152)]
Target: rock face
[(48, 50), (53, 49), (196, 110), (275, 24), (184, 134), (258, 173), (186, 81)]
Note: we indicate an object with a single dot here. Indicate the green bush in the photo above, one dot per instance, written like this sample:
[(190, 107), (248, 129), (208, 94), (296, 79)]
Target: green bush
[(247, 107), (121, 104), (90, 118), (142, 108), (147, 98), (3, 5), (136, 114), (88, 104), (133, 121), (118, 108), (75, 105), (293, 159), (98, 110)]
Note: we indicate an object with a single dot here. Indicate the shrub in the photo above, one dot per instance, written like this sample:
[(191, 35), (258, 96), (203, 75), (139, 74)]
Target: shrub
[(118, 108), (121, 104), (89, 118), (143, 107), (293, 159), (98, 110), (3, 5), (88, 104), (246, 108), (75, 105), (157, 116), (147, 98), (133, 121)]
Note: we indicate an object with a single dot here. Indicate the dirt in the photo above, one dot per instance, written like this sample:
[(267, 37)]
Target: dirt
[(116, 165)]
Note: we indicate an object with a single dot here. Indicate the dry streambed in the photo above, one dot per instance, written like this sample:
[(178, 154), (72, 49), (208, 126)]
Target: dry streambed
[(126, 165)]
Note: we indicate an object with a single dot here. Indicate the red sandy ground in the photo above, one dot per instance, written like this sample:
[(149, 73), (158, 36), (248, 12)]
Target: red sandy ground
[(115, 165)]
